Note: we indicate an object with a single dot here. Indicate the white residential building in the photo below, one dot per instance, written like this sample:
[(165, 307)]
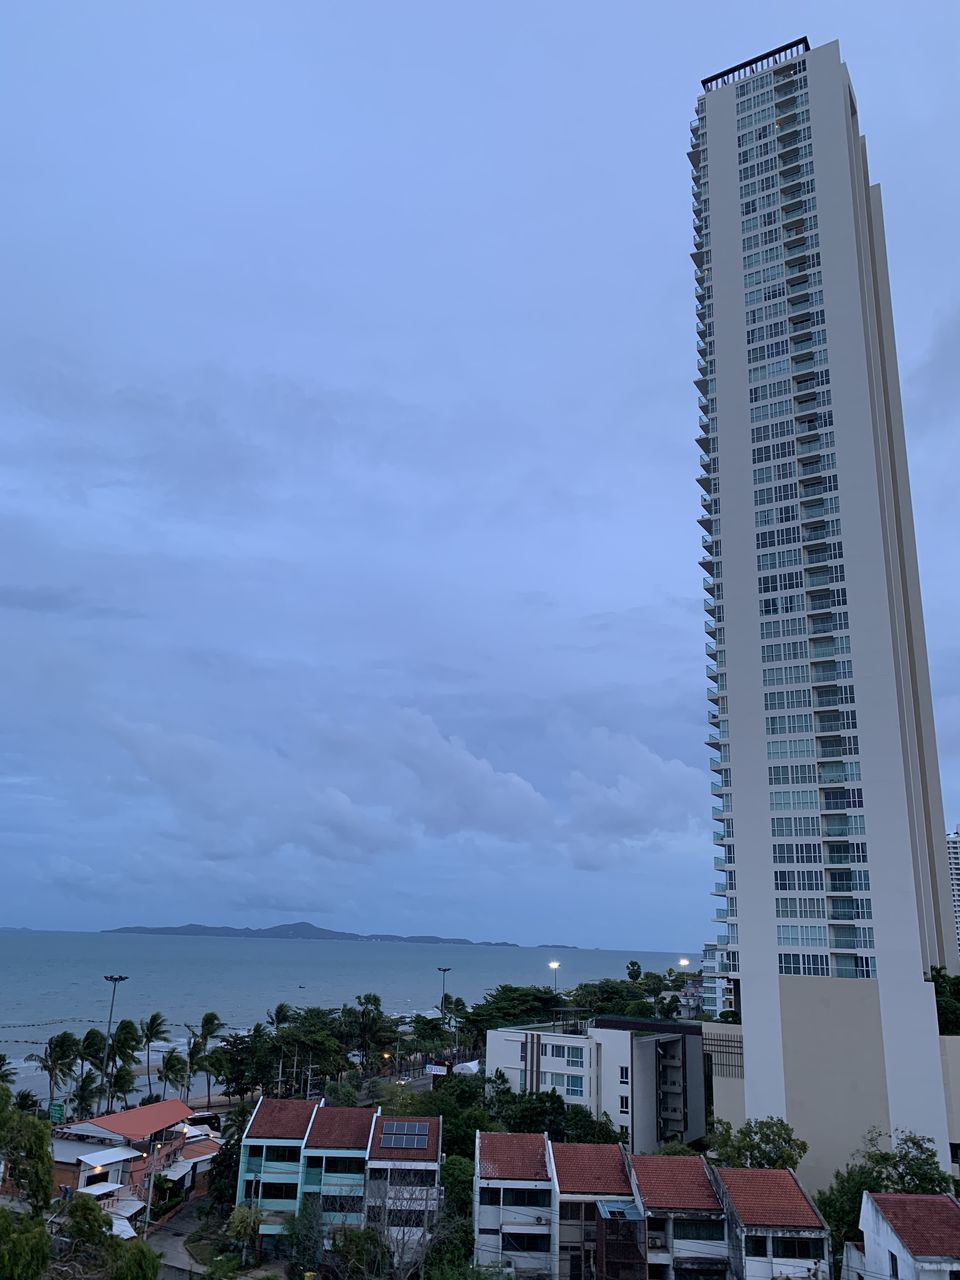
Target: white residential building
[(953, 863), (906, 1237), (835, 895), (647, 1076), (717, 992)]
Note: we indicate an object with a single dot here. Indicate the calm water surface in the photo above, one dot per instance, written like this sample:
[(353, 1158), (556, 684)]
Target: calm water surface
[(54, 981)]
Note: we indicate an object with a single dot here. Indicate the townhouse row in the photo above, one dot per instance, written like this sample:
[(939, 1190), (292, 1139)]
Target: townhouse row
[(346, 1167), (572, 1211)]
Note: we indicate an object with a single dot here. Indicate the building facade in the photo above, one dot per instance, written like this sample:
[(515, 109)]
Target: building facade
[(834, 892), (648, 1077), (717, 992), (350, 1166), (953, 863), (568, 1211), (906, 1237)]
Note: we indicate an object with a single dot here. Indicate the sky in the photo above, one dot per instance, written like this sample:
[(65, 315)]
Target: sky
[(347, 465)]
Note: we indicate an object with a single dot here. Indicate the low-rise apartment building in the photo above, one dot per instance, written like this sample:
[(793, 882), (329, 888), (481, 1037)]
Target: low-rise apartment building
[(556, 1211), (906, 1237), (350, 1166), (649, 1077)]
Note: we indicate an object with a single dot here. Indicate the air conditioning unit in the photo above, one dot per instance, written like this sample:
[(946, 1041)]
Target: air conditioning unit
[(540, 1220)]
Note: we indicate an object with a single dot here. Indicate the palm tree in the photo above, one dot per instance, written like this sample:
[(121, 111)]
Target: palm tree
[(86, 1091), (92, 1048), (195, 1057), (57, 1060), (7, 1073), (172, 1069), (124, 1082), (25, 1100), (280, 1015), (211, 1024), (153, 1030)]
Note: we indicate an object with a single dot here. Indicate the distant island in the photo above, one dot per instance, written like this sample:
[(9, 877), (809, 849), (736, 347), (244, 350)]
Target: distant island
[(302, 929)]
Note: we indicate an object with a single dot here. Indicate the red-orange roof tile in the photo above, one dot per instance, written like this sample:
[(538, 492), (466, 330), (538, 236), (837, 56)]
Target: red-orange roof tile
[(340, 1128), (518, 1156), (928, 1225), (586, 1168), (137, 1124), (199, 1148), (430, 1152), (675, 1182), (769, 1198), (282, 1118)]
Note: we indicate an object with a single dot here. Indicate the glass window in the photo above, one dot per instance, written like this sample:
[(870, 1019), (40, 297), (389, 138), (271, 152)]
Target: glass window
[(526, 1196), (490, 1195), (797, 1247), (755, 1246), (575, 1086), (698, 1229), (624, 1102)]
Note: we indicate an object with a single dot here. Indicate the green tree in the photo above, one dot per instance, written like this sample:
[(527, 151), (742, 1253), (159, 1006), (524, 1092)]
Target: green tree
[(904, 1162), (456, 1178), (24, 1247), (153, 1030), (676, 1148), (758, 1144), (7, 1074), (947, 992), (172, 1070), (86, 1090), (243, 1227), (57, 1060), (85, 1223), (280, 1015), (26, 1100), (135, 1260), (581, 1125), (92, 1048), (124, 1082), (25, 1146)]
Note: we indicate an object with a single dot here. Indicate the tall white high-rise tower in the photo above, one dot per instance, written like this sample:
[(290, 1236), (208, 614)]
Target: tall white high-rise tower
[(835, 891)]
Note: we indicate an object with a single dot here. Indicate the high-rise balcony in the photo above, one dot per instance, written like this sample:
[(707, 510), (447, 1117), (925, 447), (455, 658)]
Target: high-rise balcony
[(713, 695), (794, 203), (705, 520), (712, 673), (709, 586), (720, 917), (819, 602), (709, 626), (715, 763), (719, 837), (806, 448), (816, 578), (719, 862)]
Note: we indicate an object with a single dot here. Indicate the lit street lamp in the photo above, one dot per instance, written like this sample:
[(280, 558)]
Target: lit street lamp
[(554, 965), (443, 970)]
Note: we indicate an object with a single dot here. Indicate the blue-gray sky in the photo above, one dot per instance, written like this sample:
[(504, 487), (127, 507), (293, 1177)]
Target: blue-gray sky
[(349, 555)]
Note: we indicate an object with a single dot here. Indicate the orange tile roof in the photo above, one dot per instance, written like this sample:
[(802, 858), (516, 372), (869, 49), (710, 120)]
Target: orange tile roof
[(769, 1198), (430, 1152), (341, 1128), (198, 1148), (675, 1182), (928, 1225), (137, 1124), (518, 1156), (587, 1168), (282, 1118)]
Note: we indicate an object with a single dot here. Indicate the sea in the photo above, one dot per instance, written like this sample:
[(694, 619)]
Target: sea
[(53, 982)]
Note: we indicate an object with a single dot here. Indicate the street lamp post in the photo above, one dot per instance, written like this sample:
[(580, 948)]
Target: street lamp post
[(113, 978), (443, 970), (555, 966)]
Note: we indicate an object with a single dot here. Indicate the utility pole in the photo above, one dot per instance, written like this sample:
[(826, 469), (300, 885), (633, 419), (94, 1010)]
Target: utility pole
[(113, 978), (153, 1178)]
